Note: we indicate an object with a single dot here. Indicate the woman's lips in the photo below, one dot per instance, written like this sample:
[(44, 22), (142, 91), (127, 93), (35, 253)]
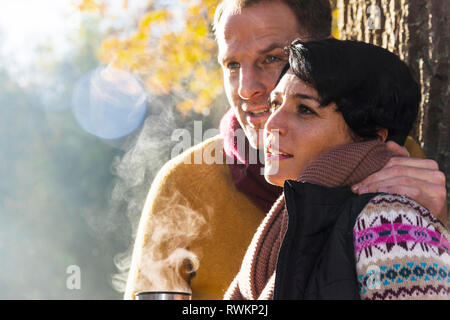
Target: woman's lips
[(274, 156)]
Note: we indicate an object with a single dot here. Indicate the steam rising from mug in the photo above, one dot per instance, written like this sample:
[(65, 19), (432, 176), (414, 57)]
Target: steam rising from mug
[(164, 260), (109, 103)]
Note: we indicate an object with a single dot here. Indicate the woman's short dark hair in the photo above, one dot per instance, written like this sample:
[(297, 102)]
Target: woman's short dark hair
[(371, 86)]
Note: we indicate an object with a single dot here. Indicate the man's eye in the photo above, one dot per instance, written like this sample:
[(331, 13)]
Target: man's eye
[(271, 59), (304, 110)]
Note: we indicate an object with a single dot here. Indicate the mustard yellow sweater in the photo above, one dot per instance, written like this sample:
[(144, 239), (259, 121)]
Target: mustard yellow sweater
[(230, 220)]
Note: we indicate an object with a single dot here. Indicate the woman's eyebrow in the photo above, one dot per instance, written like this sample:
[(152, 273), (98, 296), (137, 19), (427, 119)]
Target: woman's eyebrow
[(305, 96), (274, 95)]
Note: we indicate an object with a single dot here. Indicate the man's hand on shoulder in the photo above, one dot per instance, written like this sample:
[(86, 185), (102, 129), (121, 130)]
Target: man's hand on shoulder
[(418, 179)]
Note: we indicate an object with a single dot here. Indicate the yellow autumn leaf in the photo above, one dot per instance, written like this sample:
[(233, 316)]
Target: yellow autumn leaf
[(94, 6), (185, 105), (153, 17)]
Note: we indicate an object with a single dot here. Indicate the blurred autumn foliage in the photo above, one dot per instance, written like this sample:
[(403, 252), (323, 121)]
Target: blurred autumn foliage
[(174, 53)]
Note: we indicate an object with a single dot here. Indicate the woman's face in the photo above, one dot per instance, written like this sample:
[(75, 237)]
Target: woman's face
[(299, 129)]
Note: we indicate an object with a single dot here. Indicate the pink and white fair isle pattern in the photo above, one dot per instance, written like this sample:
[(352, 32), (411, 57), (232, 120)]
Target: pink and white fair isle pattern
[(402, 251)]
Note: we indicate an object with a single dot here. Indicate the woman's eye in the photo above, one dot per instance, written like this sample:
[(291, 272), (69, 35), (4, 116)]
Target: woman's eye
[(304, 110), (273, 105)]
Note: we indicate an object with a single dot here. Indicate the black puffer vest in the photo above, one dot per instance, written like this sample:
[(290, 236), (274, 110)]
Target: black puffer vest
[(317, 259)]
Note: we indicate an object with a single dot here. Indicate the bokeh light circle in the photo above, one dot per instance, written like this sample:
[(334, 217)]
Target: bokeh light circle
[(109, 103)]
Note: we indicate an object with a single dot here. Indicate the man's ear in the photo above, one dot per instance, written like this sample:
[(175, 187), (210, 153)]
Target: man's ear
[(383, 133)]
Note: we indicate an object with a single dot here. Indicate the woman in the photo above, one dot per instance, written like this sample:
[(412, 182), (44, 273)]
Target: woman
[(334, 107)]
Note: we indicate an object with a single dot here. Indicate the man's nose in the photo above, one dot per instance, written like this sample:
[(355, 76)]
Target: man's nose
[(251, 83)]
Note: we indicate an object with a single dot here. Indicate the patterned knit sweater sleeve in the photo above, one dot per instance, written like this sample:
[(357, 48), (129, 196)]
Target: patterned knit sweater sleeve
[(402, 251)]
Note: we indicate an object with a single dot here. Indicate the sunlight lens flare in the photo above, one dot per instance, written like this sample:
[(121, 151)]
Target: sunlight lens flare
[(109, 103)]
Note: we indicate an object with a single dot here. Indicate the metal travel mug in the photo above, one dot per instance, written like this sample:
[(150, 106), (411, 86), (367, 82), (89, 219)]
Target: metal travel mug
[(163, 295)]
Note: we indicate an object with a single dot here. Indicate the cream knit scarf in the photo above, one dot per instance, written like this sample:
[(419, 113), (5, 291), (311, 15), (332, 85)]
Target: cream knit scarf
[(342, 166)]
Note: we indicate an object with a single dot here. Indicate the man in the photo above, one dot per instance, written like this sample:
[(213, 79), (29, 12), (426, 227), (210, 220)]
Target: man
[(234, 198)]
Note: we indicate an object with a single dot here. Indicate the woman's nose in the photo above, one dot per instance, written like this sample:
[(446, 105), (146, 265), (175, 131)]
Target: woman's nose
[(277, 122), (250, 83)]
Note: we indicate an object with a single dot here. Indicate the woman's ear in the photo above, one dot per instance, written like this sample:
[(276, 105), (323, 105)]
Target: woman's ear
[(383, 133)]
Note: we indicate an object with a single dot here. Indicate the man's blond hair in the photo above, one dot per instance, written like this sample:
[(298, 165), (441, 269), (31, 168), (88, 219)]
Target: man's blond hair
[(313, 16)]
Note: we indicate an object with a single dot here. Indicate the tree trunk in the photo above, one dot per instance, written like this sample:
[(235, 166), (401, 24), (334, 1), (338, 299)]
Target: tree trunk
[(418, 31)]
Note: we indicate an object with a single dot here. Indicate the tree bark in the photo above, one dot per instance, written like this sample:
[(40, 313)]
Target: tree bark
[(418, 31)]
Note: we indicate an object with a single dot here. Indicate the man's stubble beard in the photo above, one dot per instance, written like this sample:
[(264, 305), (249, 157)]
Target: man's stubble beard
[(255, 135)]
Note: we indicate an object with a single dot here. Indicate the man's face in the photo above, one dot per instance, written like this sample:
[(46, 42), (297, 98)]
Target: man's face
[(251, 55)]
